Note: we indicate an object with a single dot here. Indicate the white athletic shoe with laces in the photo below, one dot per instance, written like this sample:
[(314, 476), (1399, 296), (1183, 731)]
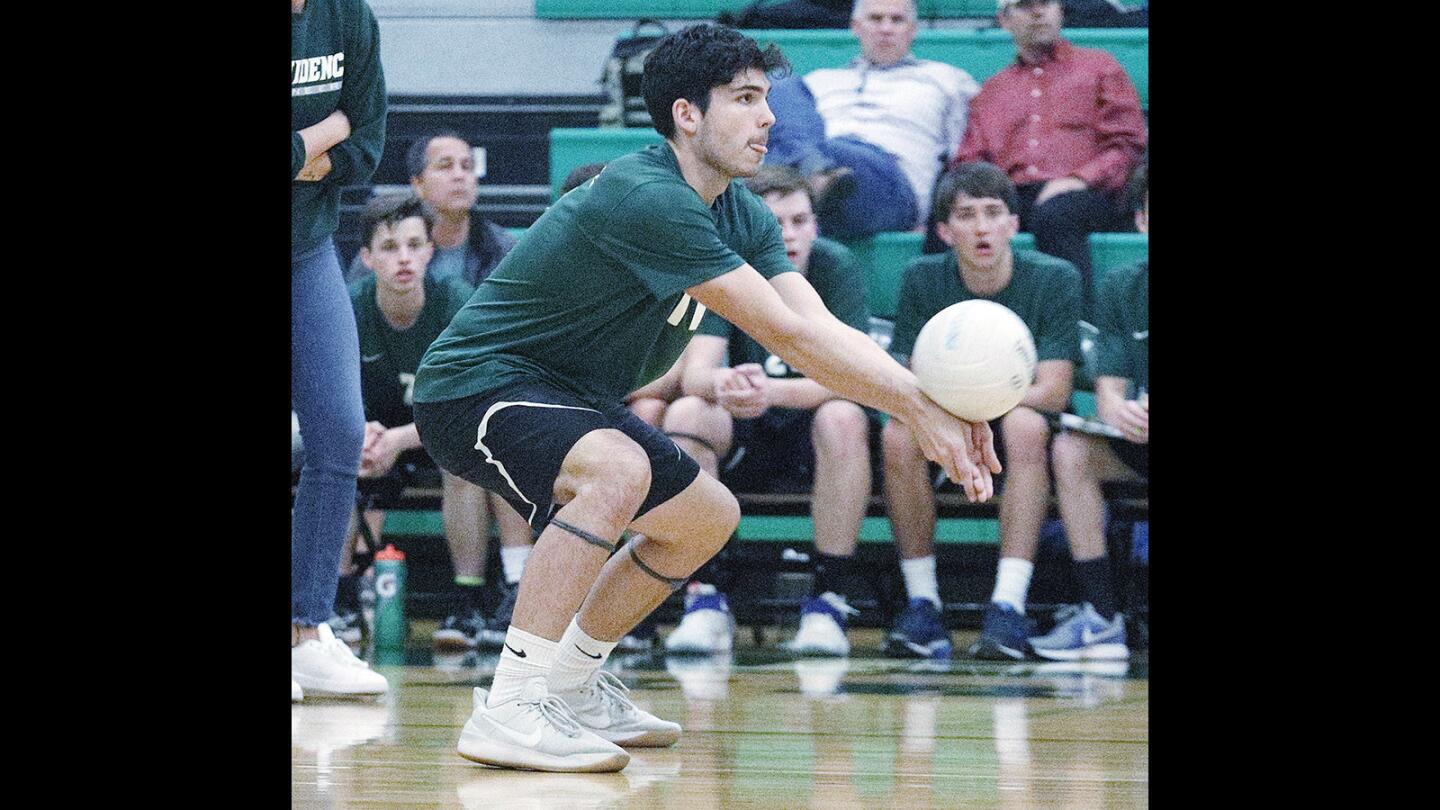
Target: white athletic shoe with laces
[(822, 626), (535, 731), (327, 666), (707, 626), (604, 707)]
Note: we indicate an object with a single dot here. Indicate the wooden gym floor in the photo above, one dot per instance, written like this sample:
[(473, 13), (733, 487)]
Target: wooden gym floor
[(762, 729)]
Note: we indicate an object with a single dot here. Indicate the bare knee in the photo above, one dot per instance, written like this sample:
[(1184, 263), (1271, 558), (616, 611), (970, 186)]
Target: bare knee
[(1027, 436), (650, 410), (898, 446), (609, 471), (840, 429), (1072, 456), (698, 427)]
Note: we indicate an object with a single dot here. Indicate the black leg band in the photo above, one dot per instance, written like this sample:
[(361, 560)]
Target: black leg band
[(675, 584), (583, 535)]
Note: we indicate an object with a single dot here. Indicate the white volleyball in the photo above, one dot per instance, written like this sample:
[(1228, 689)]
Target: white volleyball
[(976, 359)]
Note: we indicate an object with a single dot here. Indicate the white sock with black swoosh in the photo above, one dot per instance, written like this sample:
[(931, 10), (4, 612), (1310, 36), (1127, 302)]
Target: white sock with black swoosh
[(524, 657), (578, 659)]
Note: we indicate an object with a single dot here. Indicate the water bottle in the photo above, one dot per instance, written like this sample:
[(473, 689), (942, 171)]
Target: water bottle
[(390, 626)]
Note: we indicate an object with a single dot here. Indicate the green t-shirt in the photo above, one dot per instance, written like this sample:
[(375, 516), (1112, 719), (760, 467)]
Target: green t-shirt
[(1043, 290), (836, 275), (1122, 314), (389, 357), (592, 298)]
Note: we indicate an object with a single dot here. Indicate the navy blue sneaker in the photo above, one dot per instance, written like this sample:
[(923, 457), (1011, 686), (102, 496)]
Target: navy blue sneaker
[(1004, 635), (918, 632)]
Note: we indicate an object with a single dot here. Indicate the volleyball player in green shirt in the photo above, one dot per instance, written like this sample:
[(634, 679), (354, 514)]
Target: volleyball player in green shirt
[(523, 395)]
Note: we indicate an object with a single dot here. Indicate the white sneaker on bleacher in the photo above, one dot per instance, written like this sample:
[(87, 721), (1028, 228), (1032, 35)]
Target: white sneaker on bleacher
[(535, 731), (707, 626), (604, 707), (296, 693), (328, 666)]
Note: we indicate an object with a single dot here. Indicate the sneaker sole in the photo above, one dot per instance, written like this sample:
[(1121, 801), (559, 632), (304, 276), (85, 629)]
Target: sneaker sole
[(819, 652), (989, 650), (316, 690), (1095, 652), (503, 755), (900, 648), (654, 738)]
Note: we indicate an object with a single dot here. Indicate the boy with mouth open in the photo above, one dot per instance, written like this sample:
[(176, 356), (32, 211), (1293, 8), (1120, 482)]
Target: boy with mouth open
[(975, 206)]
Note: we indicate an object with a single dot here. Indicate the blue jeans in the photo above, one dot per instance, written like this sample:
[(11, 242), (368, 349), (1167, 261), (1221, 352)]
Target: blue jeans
[(883, 199), (325, 393)]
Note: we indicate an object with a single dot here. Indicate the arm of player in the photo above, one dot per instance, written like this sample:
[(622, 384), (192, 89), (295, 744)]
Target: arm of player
[(1054, 380), (1115, 410), (787, 317)]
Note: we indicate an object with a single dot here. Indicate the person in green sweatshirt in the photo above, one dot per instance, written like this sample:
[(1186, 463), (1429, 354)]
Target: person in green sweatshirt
[(337, 133)]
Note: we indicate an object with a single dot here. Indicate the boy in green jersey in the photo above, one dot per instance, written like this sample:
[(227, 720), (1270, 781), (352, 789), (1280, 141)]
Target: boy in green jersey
[(523, 395), (1095, 629), (974, 206), (400, 308)]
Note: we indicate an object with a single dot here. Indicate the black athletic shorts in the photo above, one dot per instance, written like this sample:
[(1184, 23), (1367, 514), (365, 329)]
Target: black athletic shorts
[(1135, 456), (775, 452), (513, 441)]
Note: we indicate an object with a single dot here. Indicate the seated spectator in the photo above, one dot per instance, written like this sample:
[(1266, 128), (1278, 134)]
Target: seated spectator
[(974, 206), (1095, 629), (752, 421), (1065, 123), (467, 245), (399, 311), (872, 136)]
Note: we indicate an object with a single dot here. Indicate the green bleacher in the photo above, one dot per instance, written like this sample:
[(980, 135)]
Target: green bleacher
[(709, 9), (981, 53)]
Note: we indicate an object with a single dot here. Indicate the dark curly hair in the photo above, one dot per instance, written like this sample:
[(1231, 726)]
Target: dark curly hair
[(389, 210), (975, 179), (691, 61)]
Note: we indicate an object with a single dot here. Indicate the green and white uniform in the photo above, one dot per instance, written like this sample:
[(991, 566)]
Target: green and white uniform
[(1044, 291), (1122, 315), (592, 298), (389, 356)]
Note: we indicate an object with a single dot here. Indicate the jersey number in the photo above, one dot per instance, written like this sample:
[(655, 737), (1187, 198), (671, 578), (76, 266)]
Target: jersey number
[(679, 313)]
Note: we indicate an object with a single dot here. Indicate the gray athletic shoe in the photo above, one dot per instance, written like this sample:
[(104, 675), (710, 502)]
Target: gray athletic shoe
[(535, 731), (603, 706)]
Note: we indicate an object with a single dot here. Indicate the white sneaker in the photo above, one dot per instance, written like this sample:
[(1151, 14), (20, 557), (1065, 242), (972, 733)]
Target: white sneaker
[(535, 731), (603, 707), (296, 693), (327, 666), (707, 626), (822, 627)]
